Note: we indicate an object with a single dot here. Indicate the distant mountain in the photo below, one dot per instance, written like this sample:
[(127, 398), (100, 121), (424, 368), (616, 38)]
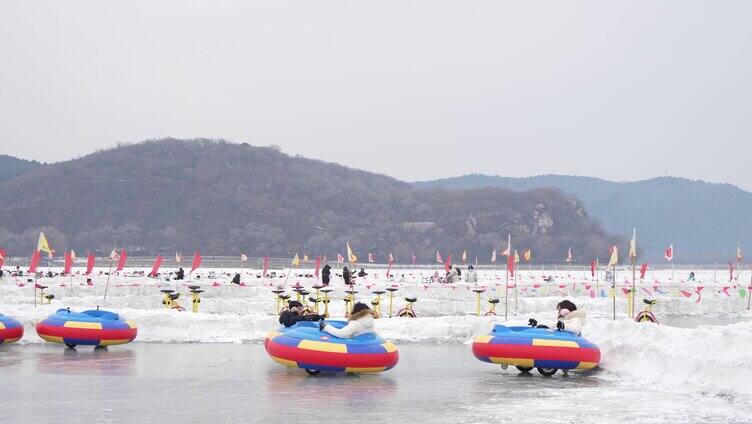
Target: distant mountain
[(11, 167), (702, 220), (172, 195)]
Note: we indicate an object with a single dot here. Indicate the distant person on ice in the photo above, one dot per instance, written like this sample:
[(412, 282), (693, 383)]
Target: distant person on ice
[(471, 276), (236, 279), (359, 322), (346, 276), (180, 274), (452, 276), (362, 273), (326, 273), (294, 314)]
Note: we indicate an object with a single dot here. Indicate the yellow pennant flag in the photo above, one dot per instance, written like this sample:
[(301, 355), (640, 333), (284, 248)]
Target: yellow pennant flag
[(305, 258), (614, 256), (528, 255), (633, 245), (43, 246), (296, 260), (350, 255), (73, 255), (516, 256)]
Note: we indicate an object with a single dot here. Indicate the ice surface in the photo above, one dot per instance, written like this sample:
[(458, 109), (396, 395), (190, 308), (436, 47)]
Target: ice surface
[(144, 382)]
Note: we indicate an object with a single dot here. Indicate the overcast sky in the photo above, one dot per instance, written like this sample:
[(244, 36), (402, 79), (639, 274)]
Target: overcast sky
[(412, 89)]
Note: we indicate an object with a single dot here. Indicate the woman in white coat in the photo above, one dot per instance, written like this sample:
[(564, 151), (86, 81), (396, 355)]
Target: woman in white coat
[(359, 322), (570, 318)]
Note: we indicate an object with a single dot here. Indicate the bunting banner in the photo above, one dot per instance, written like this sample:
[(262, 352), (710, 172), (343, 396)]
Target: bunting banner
[(614, 251), (669, 253), (44, 246), (35, 258), (90, 260), (196, 261), (155, 267), (350, 255), (508, 250), (510, 265), (68, 264), (633, 245), (121, 260)]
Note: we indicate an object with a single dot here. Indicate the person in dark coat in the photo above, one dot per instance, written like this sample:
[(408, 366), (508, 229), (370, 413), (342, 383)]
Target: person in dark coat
[(294, 314), (326, 272), (236, 279), (180, 274), (346, 276), (362, 273)]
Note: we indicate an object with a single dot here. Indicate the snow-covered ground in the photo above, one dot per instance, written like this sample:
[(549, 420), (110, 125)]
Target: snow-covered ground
[(713, 359)]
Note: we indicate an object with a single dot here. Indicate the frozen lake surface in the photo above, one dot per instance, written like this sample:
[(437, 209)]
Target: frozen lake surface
[(177, 383)]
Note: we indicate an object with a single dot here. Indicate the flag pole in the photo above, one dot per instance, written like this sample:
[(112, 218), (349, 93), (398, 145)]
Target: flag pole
[(109, 273), (506, 293), (749, 290), (597, 271), (613, 288), (715, 269)]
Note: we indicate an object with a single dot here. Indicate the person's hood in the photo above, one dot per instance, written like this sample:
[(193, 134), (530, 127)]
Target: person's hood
[(366, 321), (579, 313)]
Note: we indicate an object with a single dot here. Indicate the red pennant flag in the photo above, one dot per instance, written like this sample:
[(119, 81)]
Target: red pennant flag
[(389, 267), (510, 265), (196, 261), (593, 265), (68, 262), (155, 267), (266, 266), (34, 262), (90, 263), (2, 257), (318, 266), (447, 263), (643, 270), (121, 260)]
